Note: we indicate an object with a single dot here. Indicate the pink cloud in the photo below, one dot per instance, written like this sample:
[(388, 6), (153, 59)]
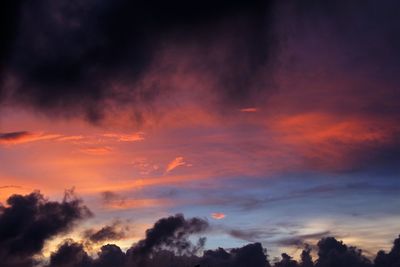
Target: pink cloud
[(218, 215), (177, 162)]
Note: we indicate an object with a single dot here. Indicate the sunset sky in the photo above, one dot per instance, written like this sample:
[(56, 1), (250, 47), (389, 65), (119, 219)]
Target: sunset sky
[(276, 121)]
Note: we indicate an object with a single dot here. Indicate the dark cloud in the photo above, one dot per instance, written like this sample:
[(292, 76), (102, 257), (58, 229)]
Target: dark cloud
[(79, 58), (28, 221), (13, 136), (390, 259), (68, 55), (286, 261), (116, 231), (110, 255), (306, 258), (333, 253), (70, 254), (249, 255), (170, 233), (9, 14)]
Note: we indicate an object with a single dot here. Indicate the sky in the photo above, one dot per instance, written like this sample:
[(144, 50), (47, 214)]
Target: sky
[(275, 121)]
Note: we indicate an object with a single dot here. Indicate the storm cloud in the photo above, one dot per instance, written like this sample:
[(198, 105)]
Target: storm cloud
[(85, 59), (74, 57)]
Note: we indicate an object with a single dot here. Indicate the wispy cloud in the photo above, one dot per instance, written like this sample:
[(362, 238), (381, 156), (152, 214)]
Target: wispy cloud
[(177, 162), (102, 150), (135, 137), (249, 110), (71, 138)]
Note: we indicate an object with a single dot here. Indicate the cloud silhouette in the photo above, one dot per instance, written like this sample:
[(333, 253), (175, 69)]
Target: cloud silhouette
[(171, 233), (28, 221)]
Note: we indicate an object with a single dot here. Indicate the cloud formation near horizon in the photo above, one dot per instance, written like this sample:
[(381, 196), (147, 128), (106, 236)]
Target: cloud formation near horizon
[(27, 222)]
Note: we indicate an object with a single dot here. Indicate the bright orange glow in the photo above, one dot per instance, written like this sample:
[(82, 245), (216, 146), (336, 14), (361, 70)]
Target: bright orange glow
[(177, 162), (218, 215)]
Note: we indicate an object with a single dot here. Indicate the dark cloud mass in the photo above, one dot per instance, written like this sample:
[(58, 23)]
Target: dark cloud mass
[(172, 233), (69, 55), (79, 58), (13, 136), (26, 222)]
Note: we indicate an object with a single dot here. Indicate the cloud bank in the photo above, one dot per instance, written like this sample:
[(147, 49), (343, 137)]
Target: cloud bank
[(27, 222)]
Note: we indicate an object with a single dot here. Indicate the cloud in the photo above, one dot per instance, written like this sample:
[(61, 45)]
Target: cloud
[(249, 110), (10, 186), (301, 240), (70, 254), (126, 137), (97, 151), (391, 259), (71, 138), (249, 255), (112, 200), (248, 235), (332, 252), (172, 233), (177, 162), (110, 49), (218, 215), (21, 137), (115, 231), (27, 222)]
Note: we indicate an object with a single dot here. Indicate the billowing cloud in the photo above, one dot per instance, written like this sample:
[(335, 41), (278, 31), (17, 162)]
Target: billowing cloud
[(70, 254), (171, 232), (332, 252), (27, 222), (390, 259), (111, 63)]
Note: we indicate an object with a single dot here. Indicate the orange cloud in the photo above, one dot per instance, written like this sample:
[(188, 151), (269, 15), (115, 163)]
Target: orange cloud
[(124, 204), (97, 150), (70, 138), (126, 137), (179, 161), (319, 127), (218, 215), (330, 141)]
